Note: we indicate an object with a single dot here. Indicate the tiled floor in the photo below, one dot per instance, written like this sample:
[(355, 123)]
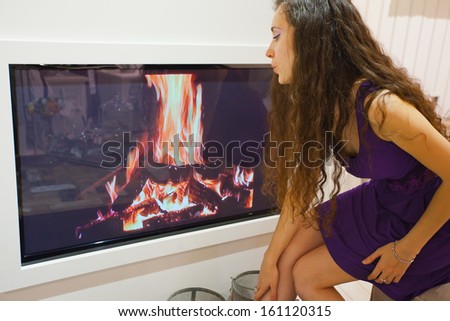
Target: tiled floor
[(355, 291)]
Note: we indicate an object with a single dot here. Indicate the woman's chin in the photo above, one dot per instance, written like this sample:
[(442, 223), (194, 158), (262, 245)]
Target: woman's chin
[(283, 81)]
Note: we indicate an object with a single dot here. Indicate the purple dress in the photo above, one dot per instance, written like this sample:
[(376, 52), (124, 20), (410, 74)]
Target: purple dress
[(385, 209)]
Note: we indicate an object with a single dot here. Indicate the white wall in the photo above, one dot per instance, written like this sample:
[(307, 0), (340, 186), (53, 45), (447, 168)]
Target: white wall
[(222, 22), (417, 34), (138, 21)]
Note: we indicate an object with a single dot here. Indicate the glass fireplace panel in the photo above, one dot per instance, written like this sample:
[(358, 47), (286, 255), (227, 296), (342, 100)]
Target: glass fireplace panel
[(111, 154)]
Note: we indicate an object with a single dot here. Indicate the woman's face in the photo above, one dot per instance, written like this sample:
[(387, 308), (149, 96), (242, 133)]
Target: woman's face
[(281, 49)]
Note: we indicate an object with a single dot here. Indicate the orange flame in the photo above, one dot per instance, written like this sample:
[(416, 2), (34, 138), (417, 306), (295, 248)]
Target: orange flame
[(112, 190), (134, 156), (179, 119), (146, 193), (214, 184), (243, 177), (132, 163), (174, 196)]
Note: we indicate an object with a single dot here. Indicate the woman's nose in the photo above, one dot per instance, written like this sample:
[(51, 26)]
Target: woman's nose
[(269, 52)]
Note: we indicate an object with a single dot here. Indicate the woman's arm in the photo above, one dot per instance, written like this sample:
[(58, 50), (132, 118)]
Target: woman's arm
[(286, 227), (284, 231), (405, 126)]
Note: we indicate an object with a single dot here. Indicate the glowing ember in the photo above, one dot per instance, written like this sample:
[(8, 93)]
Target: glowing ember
[(158, 199), (195, 197)]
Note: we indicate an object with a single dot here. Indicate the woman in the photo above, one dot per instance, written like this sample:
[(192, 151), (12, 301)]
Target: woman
[(332, 76)]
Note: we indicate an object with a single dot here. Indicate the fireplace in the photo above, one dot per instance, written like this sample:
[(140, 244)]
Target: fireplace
[(85, 185), (112, 154)]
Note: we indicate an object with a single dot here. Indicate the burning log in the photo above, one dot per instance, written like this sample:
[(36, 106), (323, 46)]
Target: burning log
[(181, 193), (200, 194), (241, 194), (245, 198), (100, 219), (130, 215), (175, 216), (150, 205), (184, 214), (185, 200)]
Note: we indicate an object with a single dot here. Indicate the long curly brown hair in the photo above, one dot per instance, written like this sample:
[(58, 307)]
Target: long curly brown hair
[(333, 49)]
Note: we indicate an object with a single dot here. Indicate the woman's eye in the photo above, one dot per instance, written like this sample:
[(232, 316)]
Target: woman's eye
[(276, 36)]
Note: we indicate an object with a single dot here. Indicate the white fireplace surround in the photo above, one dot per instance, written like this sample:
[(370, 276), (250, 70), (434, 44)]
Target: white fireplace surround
[(12, 273)]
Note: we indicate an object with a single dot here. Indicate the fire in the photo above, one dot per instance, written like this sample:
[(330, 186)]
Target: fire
[(133, 158), (179, 119), (194, 197), (112, 190), (212, 184), (243, 176)]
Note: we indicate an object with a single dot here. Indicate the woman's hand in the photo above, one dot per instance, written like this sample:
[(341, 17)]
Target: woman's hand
[(388, 269), (267, 281)]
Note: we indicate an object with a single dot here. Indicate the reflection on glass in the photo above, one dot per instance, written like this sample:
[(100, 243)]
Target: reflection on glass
[(107, 155)]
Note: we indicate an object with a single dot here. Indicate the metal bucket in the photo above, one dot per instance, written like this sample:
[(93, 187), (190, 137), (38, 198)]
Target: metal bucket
[(243, 286), (196, 294)]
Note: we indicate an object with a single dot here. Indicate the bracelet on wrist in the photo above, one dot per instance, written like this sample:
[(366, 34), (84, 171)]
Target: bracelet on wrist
[(398, 257)]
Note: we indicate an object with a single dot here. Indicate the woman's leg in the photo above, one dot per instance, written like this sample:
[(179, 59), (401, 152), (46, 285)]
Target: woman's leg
[(307, 269), (315, 274), (303, 241)]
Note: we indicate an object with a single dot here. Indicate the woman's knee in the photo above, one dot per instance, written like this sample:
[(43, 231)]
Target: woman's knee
[(290, 257), (287, 260), (304, 276), (296, 249)]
